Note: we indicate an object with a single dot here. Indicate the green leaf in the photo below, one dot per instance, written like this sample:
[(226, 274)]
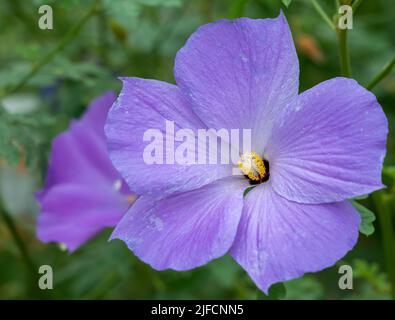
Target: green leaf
[(307, 287), (23, 136), (128, 13), (247, 190), (367, 217), (376, 281), (286, 2), (365, 196), (165, 3), (389, 171)]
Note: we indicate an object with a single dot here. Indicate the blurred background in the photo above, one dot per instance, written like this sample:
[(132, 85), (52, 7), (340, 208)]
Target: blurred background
[(48, 77)]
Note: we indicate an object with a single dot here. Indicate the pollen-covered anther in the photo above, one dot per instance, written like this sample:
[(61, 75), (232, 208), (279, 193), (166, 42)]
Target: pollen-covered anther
[(252, 166)]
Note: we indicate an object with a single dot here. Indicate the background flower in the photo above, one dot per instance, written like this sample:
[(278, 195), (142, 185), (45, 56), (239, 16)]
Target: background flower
[(83, 193)]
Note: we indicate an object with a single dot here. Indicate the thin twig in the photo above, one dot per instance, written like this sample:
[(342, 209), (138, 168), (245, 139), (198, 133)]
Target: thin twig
[(19, 241), (50, 55), (384, 212), (323, 14), (345, 65), (382, 74), (344, 55)]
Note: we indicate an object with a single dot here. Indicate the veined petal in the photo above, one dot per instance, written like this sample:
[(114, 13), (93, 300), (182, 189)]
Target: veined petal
[(330, 146), (278, 240), (184, 230), (145, 105), (240, 73)]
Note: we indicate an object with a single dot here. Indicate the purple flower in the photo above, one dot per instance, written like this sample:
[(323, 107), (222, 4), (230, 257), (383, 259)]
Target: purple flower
[(83, 193), (320, 147)]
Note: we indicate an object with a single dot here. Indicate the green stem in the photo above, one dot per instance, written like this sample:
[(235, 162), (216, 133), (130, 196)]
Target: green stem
[(19, 242), (102, 35), (382, 74), (50, 55), (345, 66), (383, 207), (344, 55), (323, 14), (32, 288)]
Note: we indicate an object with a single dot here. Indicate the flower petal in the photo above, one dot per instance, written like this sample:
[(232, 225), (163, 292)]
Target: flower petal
[(239, 73), (83, 192), (96, 113), (330, 146), (79, 155), (278, 240), (146, 105), (185, 230), (73, 213)]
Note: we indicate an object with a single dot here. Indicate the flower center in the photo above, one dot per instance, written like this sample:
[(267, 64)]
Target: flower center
[(254, 167)]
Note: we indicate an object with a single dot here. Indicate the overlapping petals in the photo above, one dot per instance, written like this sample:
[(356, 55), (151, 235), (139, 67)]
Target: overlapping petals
[(323, 146), (145, 105), (184, 230), (278, 240)]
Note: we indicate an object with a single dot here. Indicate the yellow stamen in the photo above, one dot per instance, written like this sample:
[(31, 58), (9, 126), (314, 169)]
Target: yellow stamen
[(252, 165)]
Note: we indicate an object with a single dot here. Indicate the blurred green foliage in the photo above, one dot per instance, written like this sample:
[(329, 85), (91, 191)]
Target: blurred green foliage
[(140, 38)]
